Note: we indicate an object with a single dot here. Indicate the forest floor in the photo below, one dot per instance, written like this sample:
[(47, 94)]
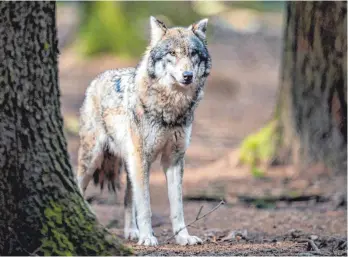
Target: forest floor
[(282, 213)]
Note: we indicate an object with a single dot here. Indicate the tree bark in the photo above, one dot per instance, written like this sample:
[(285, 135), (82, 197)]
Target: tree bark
[(312, 103), (42, 210)]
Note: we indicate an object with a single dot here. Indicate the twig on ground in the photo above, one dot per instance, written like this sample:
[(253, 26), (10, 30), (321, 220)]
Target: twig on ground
[(343, 245), (199, 212), (197, 218), (311, 245), (193, 226)]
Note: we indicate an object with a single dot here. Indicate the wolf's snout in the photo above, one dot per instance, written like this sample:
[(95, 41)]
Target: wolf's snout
[(187, 75)]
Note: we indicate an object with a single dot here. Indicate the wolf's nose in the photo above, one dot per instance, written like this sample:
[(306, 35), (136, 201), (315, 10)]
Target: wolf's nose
[(188, 75)]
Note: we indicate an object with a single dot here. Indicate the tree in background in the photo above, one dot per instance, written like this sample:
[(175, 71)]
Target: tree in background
[(310, 125), (42, 210), (312, 106)]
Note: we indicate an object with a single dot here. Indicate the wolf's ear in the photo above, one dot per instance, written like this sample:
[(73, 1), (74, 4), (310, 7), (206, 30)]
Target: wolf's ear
[(158, 29), (200, 28)]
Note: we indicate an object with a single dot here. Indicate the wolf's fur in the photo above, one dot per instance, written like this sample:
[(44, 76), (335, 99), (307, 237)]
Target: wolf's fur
[(132, 115)]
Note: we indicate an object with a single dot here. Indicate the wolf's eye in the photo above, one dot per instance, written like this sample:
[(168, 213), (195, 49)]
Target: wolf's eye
[(172, 53)]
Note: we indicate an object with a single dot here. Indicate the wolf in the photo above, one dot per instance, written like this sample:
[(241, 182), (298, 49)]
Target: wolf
[(130, 116)]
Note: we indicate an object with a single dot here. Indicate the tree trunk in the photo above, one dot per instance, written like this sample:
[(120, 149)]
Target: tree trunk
[(312, 107), (42, 210)]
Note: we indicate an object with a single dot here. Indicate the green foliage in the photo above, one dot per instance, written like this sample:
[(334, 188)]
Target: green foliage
[(264, 204), (261, 6), (107, 29), (257, 172), (71, 125), (118, 27), (258, 148)]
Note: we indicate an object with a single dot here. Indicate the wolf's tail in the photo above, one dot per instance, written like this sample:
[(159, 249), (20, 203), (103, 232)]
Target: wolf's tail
[(110, 173)]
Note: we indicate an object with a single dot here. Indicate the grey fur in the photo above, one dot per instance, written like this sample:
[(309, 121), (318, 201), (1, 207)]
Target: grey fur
[(136, 114)]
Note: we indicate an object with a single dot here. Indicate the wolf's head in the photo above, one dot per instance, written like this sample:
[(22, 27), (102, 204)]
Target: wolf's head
[(178, 57)]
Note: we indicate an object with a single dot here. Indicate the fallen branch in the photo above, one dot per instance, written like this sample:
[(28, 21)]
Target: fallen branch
[(284, 198), (204, 198), (199, 212), (198, 217), (341, 246), (313, 246)]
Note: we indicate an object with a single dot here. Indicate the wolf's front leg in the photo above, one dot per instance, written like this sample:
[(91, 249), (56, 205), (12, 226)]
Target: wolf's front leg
[(174, 168), (130, 225), (138, 169)]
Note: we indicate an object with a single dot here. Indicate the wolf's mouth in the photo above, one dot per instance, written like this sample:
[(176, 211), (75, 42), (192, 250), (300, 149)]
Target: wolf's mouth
[(183, 83)]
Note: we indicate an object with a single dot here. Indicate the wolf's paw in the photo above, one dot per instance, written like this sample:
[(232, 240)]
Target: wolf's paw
[(188, 240), (131, 233), (148, 240)]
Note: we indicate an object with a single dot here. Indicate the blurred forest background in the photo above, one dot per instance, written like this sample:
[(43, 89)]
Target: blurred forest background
[(231, 155), (243, 37), (121, 27)]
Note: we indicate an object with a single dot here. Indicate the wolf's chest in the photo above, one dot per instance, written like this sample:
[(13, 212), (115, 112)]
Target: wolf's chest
[(155, 141)]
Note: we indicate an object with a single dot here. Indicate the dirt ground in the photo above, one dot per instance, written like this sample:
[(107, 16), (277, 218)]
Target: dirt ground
[(256, 218)]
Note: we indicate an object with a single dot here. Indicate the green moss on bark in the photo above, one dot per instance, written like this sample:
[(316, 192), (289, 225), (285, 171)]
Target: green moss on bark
[(68, 228)]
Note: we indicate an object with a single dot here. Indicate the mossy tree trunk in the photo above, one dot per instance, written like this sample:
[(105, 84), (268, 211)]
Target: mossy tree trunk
[(312, 107), (42, 210)]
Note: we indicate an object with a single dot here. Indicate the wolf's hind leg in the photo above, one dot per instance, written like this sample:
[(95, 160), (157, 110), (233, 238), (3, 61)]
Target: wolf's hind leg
[(138, 170), (130, 225), (90, 158)]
